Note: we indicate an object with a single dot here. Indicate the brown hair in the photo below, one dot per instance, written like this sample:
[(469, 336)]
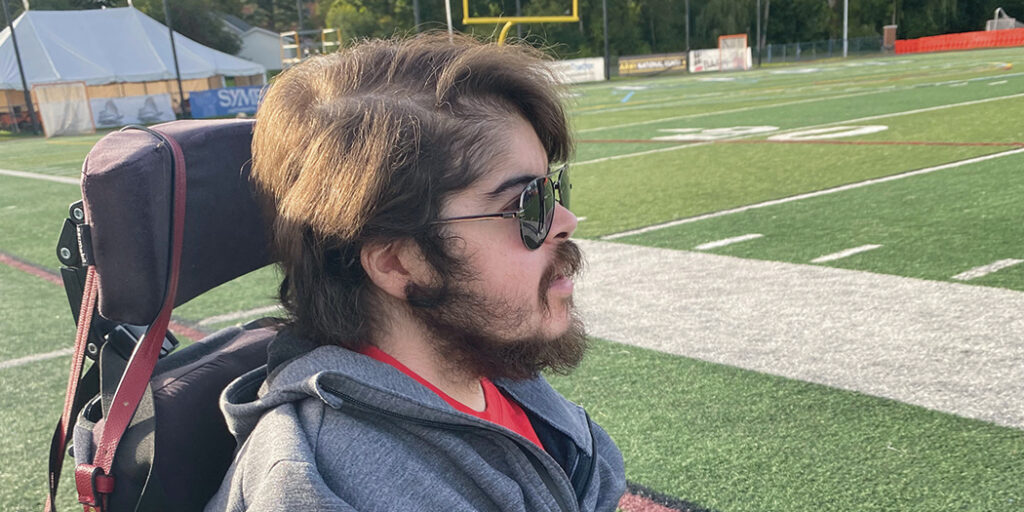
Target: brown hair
[(367, 143)]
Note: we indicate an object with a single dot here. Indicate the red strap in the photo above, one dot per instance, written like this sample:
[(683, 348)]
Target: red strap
[(140, 366), (77, 360), (93, 486)]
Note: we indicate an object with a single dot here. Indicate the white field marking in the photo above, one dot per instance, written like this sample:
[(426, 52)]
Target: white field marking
[(36, 176), (237, 315), (698, 134), (706, 114), (581, 219), (977, 272), (641, 153), (37, 357), (831, 132), (1001, 82), (858, 120), (958, 84), (843, 254), (728, 241), (758, 107), (809, 195)]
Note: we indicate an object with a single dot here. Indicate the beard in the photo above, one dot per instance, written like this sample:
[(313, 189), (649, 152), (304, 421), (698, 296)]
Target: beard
[(464, 325)]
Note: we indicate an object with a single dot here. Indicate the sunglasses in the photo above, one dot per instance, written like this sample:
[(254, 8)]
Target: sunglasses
[(536, 207)]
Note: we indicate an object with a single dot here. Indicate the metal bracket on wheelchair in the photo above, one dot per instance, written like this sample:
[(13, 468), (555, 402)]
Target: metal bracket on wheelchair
[(74, 250)]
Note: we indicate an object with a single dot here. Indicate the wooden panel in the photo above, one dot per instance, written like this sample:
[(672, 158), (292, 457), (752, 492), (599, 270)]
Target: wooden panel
[(104, 91), (134, 89)]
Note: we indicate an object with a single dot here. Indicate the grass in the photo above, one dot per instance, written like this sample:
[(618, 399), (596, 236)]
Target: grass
[(931, 227), (724, 438), (735, 440), (632, 193), (31, 215), (60, 156)]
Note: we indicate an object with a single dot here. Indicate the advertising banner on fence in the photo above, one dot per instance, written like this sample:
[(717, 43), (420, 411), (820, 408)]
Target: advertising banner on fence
[(720, 59), (646, 64), (579, 70), (224, 102), (153, 108)]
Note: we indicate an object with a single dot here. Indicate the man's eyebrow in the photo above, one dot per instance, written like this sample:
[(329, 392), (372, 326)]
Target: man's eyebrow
[(515, 182)]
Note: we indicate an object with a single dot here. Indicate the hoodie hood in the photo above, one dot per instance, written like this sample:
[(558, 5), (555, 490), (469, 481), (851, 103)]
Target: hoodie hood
[(298, 369)]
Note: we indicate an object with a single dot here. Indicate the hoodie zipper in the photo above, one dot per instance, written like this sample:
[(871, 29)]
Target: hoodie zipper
[(535, 461)]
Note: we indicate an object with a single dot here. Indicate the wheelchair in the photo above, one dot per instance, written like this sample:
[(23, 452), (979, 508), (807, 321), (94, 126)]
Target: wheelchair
[(167, 213)]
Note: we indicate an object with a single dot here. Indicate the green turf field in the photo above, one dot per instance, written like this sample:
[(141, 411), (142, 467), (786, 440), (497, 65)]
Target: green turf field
[(687, 149)]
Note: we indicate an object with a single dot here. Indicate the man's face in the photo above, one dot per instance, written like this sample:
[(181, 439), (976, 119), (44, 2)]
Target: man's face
[(515, 315)]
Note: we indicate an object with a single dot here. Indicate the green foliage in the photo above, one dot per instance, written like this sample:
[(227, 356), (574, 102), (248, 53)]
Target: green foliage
[(273, 15), (196, 20), (634, 26), (370, 18)]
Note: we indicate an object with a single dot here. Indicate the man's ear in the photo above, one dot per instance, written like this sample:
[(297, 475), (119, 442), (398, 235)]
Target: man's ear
[(393, 265)]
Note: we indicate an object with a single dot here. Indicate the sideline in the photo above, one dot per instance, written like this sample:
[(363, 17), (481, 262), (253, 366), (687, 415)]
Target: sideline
[(945, 346), (44, 177), (827, 191)]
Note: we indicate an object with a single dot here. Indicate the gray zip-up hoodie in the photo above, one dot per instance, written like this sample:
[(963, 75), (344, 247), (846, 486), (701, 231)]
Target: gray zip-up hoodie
[(336, 430)]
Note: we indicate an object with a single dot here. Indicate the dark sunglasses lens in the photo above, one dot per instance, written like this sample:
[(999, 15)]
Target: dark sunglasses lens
[(549, 205), (564, 187), (532, 222)]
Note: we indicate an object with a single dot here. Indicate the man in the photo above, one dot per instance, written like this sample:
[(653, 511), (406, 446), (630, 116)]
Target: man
[(421, 225)]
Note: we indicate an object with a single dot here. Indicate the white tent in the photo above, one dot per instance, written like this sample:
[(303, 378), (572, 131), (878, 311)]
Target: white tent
[(103, 46)]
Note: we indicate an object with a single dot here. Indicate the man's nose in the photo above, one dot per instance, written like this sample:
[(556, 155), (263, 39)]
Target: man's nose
[(564, 223)]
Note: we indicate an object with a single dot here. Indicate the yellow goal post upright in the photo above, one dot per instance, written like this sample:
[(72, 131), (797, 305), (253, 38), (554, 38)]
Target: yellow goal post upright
[(294, 48), (509, 21)]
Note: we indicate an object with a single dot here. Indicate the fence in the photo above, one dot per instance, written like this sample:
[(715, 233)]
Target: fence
[(812, 50)]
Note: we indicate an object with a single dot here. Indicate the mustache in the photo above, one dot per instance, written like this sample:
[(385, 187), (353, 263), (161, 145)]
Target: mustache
[(568, 262)]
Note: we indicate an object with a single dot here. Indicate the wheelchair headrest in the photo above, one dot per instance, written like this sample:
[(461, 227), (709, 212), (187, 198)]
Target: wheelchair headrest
[(126, 191)]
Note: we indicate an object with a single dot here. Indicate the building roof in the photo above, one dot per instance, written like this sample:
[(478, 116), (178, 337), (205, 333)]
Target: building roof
[(101, 46)]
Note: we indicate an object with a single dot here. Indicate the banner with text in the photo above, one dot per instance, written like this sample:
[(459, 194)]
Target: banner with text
[(224, 102), (649, 64), (109, 112), (720, 59), (579, 70)]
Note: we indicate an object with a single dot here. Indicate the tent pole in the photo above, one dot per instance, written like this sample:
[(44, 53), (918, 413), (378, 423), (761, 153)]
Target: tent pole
[(21, 71), (174, 53)]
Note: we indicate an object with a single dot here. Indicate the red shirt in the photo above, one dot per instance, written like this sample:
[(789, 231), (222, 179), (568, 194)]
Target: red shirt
[(498, 409)]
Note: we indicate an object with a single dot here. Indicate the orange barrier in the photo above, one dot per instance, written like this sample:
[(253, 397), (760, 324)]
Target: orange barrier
[(962, 41)]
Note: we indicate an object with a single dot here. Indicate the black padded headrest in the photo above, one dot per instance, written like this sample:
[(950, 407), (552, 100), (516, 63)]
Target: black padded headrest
[(126, 189)]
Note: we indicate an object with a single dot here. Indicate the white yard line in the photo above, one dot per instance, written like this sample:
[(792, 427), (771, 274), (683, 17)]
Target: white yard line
[(846, 253), (728, 241), (34, 358), (790, 199), (730, 111), (238, 315), (985, 270), (772, 105), (641, 153), (834, 123), (37, 176)]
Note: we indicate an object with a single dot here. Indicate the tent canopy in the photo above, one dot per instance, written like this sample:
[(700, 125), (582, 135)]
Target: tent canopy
[(102, 46)]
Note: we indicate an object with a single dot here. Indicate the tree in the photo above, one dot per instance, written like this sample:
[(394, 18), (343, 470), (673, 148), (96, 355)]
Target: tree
[(196, 20)]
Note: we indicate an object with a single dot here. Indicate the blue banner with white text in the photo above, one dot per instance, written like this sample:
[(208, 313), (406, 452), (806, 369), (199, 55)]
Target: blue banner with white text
[(224, 102)]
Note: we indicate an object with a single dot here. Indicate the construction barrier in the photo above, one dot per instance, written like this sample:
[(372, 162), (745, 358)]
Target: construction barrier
[(962, 41)]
